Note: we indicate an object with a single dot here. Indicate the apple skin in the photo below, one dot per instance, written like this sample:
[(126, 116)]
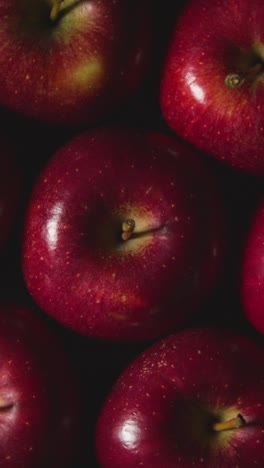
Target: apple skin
[(77, 267), (79, 68), (160, 411), (40, 414), (252, 283), (209, 40), (10, 184)]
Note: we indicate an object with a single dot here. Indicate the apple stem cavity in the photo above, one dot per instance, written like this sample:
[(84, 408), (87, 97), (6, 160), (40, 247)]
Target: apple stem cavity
[(128, 227), (55, 10), (234, 423)]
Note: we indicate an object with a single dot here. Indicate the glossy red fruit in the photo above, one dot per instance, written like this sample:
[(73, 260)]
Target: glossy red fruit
[(39, 408), (212, 92), (194, 399), (10, 182), (90, 268), (252, 286), (72, 62)]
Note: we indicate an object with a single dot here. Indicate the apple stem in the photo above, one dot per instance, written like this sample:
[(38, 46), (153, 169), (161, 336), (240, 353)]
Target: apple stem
[(233, 423), (5, 405), (55, 9), (253, 74), (128, 227), (234, 80)]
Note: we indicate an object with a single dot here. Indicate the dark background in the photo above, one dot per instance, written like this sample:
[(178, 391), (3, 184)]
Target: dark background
[(99, 364)]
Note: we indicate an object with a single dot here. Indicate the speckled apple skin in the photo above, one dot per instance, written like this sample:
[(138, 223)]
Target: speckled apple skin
[(252, 285), (10, 185), (41, 426), (226, 123), (162, 278), (146, 420), (78, 69)]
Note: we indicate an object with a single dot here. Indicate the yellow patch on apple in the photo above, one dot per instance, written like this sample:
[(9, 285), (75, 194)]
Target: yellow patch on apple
[(88, 73), (132, 301)]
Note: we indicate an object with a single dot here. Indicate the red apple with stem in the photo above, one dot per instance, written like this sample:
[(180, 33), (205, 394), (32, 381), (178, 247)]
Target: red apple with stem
[(74, 61), (9, 187), (252, 286), (212, 91), (39, 408), (124, 235), (195, 399)]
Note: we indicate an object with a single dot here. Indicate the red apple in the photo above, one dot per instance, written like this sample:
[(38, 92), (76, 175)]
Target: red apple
[(124, 235), (195, 399), (212, 91), (9, 187), (72, 62), (252, 287), (38, 399)]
